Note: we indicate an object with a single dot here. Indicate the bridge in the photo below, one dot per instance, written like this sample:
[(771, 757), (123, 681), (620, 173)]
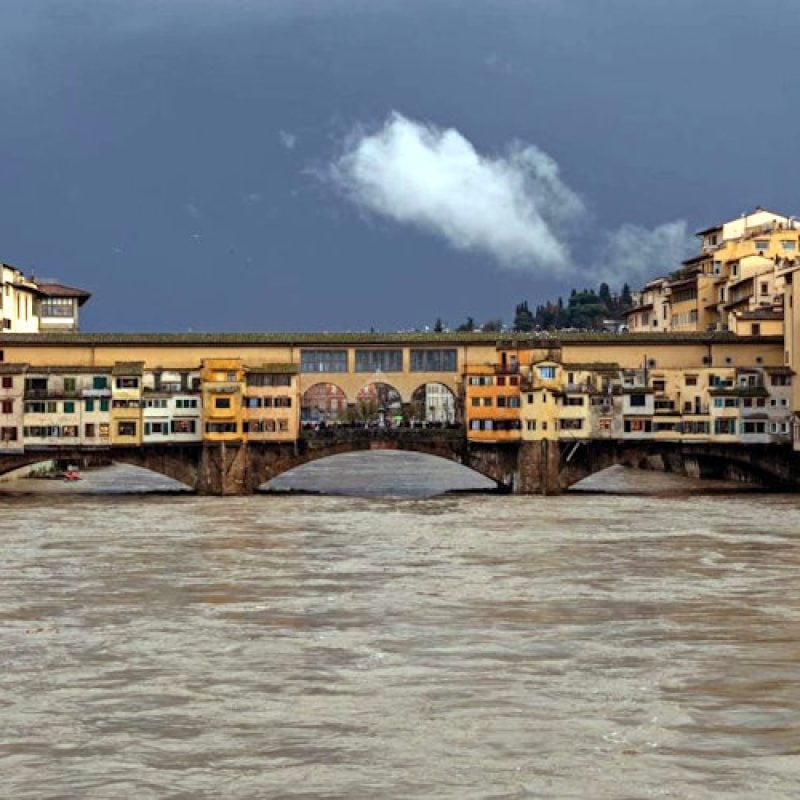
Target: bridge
[(544, 468), (225, 413)]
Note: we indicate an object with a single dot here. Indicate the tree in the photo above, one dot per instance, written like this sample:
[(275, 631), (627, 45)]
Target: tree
[(523, 319), (438, 326), (492, 326), (625, 297), (467, 326)]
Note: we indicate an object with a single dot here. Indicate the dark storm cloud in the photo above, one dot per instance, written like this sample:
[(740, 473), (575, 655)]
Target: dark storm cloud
[(160, 153)]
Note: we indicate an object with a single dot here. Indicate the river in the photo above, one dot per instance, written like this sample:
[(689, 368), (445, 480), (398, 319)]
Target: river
[(630, 645)]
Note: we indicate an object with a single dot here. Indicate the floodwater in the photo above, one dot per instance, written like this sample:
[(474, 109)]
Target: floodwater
[(465, 646)]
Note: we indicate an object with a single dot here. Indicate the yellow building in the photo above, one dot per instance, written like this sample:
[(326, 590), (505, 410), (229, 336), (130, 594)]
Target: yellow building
[(738, 272), (126, 402), (272, 403), (222, 381)]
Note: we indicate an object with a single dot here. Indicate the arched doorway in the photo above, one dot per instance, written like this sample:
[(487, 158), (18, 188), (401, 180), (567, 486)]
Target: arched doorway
[(433, 404), (323, 403), (379, 404)]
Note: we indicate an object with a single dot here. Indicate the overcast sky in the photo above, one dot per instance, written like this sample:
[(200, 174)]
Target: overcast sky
[(347, 164)]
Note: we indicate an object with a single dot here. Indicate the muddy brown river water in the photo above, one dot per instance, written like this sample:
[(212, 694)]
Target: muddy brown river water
[(473, 646)]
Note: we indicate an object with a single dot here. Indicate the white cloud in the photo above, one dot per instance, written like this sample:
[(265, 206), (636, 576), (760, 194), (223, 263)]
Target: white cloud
[(637, 254), (288, 139), (514, 206)]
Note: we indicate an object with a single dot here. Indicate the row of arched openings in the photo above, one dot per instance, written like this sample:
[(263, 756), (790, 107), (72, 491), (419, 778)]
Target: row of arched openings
[(381, 403)]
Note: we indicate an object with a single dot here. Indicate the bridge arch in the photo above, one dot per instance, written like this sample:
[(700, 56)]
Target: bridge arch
[(380, 472), (758, 465), (268, 462)]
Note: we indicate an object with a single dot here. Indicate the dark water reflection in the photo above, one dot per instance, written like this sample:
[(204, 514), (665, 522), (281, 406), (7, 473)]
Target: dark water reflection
[(460, 647)]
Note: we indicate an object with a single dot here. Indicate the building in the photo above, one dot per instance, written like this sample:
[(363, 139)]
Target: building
[(31, 306), (735, 283)]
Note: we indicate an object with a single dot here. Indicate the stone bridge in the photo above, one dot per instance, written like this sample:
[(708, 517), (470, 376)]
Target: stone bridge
[(546, 467)]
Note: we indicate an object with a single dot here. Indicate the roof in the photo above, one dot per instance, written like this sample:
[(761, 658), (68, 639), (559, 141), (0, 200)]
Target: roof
[(739, 391), (709, 230), (545, 339), (643, 307), (128, 368), (51, 289), (761, 313), (593, 367), (275, 369), (8, 368)]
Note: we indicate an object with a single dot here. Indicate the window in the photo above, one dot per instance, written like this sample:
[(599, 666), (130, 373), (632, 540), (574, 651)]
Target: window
[(52, 407), (89, 406), (323, 361), (691, 380), (283, 402), (762, 244), (605, 423), (659, 385), (637, 426), (476, 401), (434, 360), (531, 424), (89, 430), (69, 385), (764, 288), (265, 379), (104, 430), (547, 373), (69, 431), (8, 434), (487, 401), (8, 406), (183, 426), (781, 380), (638, 400), (252, 402), (57, 307), (35, 407), (220, 427), (573, 401), (788, 246), (69, 406), (570, 424), (379, 360), (127, 383), (8, 382), (35, 384), (222, 402), (480, 380), (99, 382), (755, 329), (156, 428), (186, 402), (126, 428), (104, 405)]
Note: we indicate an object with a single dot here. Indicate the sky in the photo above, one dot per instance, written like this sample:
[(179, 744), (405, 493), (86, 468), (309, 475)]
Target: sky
[(333, 165)]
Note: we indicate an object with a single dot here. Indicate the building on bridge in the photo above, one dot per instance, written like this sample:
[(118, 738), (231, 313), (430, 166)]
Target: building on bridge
[(123, 391)]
